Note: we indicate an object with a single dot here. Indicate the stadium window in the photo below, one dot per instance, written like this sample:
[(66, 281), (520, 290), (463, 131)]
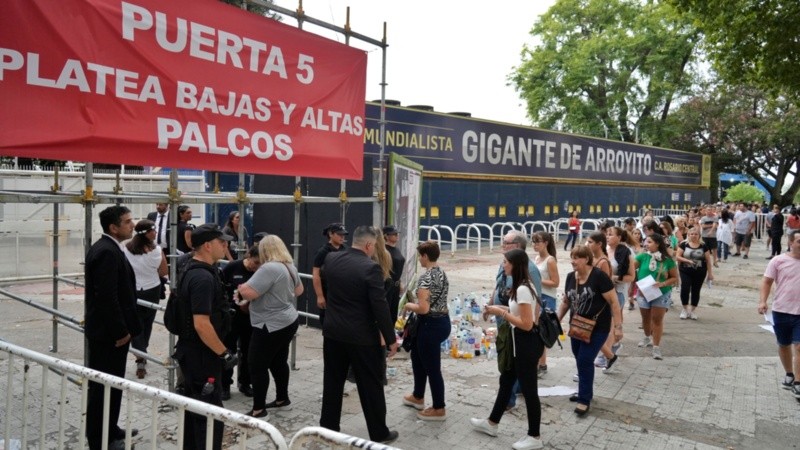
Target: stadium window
[(502, 211), (434, 212), (570, 208), (471, 212), (578, 208), (422, 212), (531, 210), (459, 212), (547, 209), (616, 208), (555, 209), (591, 209), (599, 209), (492, 211), (521, 210)]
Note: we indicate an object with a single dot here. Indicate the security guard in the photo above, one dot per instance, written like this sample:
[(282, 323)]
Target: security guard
[(200, 351)]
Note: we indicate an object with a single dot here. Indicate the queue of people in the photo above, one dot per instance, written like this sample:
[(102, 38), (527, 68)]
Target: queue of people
[(357, 286)]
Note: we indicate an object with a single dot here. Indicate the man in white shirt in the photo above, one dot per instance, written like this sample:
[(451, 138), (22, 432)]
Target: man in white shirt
[(161, 218), (744, 222)]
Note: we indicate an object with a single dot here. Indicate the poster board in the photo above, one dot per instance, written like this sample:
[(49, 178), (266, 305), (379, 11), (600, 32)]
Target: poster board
[(404, 200)]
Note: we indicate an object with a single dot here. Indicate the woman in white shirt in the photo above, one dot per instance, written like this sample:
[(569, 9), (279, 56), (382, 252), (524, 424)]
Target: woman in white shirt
[(724, 236), (521, 314), (149, 264)]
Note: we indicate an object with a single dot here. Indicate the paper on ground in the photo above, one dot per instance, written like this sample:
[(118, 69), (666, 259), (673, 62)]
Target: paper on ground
[(556, 390)]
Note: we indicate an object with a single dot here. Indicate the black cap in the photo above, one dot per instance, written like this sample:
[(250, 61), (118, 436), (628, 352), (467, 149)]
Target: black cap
[(335, 227), (259, 236), (390, 229), (208, 232)]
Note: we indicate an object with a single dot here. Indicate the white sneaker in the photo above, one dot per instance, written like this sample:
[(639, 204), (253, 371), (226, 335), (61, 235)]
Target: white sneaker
[(484, 426), (692, 315), (684, 315), (646, 342), (657, 353), (527, 443), (600, 361), (575, 378)]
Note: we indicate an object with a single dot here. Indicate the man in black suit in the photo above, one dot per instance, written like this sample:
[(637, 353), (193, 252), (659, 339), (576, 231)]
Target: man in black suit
[(161, 218), (111, 319), (357, 315)]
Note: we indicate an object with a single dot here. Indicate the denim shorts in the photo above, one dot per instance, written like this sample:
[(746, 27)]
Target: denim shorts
[(549, 302), (660, 302), (787, 328)]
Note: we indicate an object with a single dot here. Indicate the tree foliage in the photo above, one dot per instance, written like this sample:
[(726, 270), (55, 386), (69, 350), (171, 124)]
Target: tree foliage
[(743, 192), (255, 9), (748, 131), (609, 68), (753, 42)]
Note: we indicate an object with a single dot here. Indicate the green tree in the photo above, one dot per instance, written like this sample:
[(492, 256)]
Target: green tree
[(748, 131), (609, 68), (751, 41), (743, 192)]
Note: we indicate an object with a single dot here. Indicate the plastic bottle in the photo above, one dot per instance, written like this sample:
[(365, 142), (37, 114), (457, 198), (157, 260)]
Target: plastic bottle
[(208, 388)]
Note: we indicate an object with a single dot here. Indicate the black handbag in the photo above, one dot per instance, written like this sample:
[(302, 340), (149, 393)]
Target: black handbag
[(549, 326), (410, 332)]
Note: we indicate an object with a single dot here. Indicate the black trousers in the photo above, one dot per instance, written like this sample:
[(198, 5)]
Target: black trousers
[(105, 357), (691, 282), (199, 364), (367, 363), (776, 244), (239, 338), (269, 352), (393, 298), (529, 348)]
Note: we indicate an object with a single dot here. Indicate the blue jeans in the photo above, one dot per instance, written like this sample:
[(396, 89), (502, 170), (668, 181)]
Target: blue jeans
[(723, 250), (426, 357), (584, 359), (571, 237)]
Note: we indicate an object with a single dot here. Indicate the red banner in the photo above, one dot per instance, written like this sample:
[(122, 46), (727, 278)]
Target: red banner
[(182, 83)]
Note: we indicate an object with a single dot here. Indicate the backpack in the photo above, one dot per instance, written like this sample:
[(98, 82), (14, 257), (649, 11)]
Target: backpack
[(177, 320)]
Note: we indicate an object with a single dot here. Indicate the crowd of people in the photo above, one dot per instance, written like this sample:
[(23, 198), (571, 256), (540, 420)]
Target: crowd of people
[(244, 316)]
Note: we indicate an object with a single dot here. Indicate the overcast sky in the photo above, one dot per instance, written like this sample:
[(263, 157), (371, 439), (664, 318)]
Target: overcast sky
[(452, 55)]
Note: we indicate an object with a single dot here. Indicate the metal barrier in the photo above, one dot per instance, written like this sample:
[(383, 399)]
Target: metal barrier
[(333, 439), (479, 239), (511, 226), (430, 229), (535, 225), (23, 406)]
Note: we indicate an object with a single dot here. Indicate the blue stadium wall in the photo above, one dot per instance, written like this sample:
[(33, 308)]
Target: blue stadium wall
[(482, 171)]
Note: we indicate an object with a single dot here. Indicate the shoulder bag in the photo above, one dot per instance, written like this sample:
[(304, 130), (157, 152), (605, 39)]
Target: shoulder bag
[(581, 327)]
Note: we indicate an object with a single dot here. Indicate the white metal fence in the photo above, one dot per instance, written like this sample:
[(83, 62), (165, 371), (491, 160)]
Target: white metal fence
[(45, 405)]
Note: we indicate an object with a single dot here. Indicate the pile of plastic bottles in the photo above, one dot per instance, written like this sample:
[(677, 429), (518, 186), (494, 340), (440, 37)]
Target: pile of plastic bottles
[(467, 339)]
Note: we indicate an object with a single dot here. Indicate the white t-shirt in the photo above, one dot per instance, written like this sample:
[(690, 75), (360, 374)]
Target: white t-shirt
[(524, 296), (725, 232), (785, 270), (145, 266)]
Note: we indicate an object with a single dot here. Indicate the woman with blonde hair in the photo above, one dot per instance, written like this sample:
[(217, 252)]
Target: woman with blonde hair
[(272, 293)]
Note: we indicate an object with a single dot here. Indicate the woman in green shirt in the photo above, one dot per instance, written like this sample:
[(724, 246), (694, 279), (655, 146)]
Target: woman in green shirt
[(657, 263)]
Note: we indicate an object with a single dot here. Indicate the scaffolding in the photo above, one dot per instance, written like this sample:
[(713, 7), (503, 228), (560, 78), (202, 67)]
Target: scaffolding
[(88, 197)]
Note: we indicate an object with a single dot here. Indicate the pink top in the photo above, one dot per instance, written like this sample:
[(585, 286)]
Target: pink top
[(785, 270)]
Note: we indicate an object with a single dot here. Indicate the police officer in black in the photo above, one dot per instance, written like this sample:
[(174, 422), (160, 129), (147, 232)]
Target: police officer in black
[(200, 351), (392, 236), (336, 234), (236, 273)]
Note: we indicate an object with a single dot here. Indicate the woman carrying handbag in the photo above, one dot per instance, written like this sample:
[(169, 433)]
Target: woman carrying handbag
[(522, 314), (590, 297)]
